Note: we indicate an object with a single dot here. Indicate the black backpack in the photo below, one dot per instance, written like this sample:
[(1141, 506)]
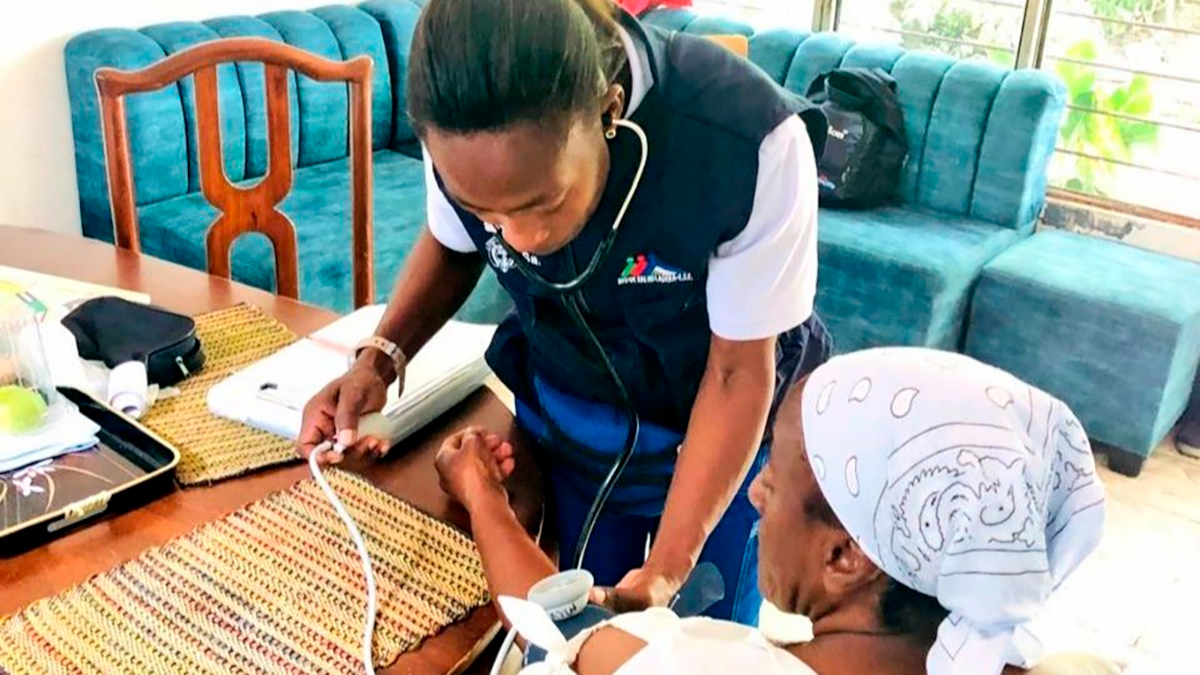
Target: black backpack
[(866, 147)]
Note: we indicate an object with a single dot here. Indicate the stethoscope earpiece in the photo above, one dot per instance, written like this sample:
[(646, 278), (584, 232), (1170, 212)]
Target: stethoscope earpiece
[(606, 121)]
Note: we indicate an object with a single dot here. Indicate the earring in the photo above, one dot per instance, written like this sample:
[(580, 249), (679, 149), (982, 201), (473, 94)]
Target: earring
[(611, 133)]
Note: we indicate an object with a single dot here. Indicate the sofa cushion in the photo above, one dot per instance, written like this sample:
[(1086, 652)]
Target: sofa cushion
[(397, 20), (359, 34), (900, 276), (669, 18), (1112, 330), (176, 37), (918, 78), (1010, 183), (156, 126), (319, 205), (816, 56), (252, 77), (773, 51), (324, 111), (956, 126)]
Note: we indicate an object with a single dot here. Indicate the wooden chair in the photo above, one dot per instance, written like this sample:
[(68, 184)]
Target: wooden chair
[(245, 209)]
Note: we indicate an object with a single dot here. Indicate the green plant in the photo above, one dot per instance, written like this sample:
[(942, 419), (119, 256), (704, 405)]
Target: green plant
[(954, 23), (1100, 135), (1141, 11)]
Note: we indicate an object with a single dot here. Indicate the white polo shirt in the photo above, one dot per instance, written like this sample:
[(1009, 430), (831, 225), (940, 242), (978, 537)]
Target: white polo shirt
[(762, 282)]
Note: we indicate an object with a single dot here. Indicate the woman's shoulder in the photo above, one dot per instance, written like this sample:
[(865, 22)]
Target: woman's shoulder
[(706, 81)]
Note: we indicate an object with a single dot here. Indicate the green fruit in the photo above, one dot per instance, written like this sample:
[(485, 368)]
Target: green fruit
[(21, 409)]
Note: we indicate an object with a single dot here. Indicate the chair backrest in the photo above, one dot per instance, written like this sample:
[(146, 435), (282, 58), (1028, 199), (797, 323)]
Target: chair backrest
[(254, 208)]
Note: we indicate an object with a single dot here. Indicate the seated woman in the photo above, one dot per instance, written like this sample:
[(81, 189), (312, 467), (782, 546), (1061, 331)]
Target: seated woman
[(920, 507)]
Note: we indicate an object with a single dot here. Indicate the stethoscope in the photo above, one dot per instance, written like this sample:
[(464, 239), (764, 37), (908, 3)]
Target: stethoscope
[(574, 585), (571, 292)]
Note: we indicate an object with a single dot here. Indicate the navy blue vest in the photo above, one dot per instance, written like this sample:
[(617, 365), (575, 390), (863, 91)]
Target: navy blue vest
[(706, 115)]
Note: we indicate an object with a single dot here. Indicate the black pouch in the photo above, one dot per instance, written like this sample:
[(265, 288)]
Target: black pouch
[(115, 331)]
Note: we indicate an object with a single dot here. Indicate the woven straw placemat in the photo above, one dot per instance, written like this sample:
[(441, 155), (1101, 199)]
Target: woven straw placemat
[(275, 587), (211, 447)]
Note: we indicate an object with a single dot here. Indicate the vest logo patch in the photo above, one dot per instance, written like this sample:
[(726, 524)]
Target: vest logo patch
[(502, 261), (499, 256), (646, 269)]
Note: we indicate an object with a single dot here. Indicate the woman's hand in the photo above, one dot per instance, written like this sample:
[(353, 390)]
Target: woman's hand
[(333, 414), (641, 588), (472, 466)]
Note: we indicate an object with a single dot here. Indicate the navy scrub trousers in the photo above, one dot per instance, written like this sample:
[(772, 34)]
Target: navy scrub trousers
[(629, 521)]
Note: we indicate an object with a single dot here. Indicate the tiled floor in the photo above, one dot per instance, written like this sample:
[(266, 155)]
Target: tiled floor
[(1137, 598)]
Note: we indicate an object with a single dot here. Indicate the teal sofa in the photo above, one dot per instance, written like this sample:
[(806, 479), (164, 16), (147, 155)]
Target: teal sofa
[(1121, 347), (1112, 330), (174, 216), (974, 183), (980, 139)]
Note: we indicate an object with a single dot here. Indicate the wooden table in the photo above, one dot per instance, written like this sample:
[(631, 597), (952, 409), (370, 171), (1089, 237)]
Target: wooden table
[(408, 472)]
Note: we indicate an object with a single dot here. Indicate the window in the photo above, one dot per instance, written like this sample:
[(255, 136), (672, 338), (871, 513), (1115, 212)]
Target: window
[(988, 29), (1131, 133), (1132, 128)]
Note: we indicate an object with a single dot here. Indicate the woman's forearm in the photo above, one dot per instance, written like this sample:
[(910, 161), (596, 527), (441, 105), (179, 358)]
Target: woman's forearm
[(433, 285), (512, 559), (724, 433)]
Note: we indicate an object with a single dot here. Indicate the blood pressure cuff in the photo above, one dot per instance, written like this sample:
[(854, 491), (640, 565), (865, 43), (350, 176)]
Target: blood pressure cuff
[(591, 615)]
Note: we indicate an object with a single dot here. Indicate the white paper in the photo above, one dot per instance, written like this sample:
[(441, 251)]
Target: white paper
[(271, 394), (58, 296), (68, 432)]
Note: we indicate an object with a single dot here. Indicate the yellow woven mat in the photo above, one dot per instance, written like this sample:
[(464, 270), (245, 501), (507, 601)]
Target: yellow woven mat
[(275, 587), (213, 448)]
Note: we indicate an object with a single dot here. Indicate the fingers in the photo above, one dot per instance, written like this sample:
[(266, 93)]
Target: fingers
[(598, 596), (502, 450), (329, 457), (507, 466), (374, 447), (614, 600), (350, 404), (356, 398), (503, 455), (316, 427)]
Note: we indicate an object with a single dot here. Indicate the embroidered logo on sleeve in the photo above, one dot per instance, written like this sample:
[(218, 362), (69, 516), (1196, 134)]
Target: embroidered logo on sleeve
[(646, 269)]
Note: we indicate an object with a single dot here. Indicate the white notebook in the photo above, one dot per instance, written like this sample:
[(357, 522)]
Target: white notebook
[(270, 395)]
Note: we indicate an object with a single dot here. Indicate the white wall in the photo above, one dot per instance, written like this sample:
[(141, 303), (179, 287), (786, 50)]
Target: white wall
[(37, 160)]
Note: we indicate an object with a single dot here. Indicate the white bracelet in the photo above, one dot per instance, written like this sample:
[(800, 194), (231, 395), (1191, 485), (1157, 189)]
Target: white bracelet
[(389, 349)]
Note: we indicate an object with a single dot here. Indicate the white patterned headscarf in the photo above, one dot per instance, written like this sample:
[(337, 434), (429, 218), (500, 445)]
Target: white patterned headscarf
[(961, 482)]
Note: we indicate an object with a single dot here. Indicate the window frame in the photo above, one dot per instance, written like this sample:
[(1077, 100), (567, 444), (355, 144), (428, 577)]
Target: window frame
[(1031, 53)]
